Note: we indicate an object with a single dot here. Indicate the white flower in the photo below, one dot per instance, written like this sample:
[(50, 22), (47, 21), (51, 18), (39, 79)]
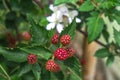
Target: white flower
[(61, 17), (55, 20)]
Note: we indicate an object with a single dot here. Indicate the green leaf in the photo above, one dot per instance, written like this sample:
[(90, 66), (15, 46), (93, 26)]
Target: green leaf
[(73, 76), (114, 15), (56, 2), (110, 60), (58, 75), (39, 34), (73, 66), (1, 78), (105, 34), (102, 53), (28, 76), (41, 51), (15, 77), (70, 29), (24, 6), (117, 36), (36, 71), (24, 69), (15, 5), (43, 21), (108, 4), (45, 74), (86, 6), (95, 26), (117, 18), (15, 55)]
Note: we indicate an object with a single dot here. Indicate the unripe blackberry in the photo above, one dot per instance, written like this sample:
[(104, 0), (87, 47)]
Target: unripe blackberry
[(12, 40), (82, 62), (65, 40), (61, 54), (32, 58), (26, 36), (70, 51), (52, 66), (54, 39)]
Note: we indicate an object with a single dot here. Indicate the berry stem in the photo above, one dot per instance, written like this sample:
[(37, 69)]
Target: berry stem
[(61, 45), (53, 57)]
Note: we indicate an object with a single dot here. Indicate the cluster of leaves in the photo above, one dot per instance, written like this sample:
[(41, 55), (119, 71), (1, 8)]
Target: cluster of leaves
[(96, 25)]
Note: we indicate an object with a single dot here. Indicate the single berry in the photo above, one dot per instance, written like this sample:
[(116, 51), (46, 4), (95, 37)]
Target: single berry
[(12, 40), (52, 66), (61, 54), (65, 40), (70, 51), (55, 39), (32, 59), (26, 36)]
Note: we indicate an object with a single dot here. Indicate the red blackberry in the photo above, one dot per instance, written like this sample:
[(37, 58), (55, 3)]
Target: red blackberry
[(26, 36), (54, 39), (65, 40), (52, 66), (32, 58), (70, 51), (61, 54), (12, 40)]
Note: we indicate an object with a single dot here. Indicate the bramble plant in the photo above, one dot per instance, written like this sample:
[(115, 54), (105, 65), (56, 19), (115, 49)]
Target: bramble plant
[(35, 36)]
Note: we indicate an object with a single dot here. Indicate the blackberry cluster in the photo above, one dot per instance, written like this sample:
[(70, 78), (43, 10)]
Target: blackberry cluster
[(61, 53)]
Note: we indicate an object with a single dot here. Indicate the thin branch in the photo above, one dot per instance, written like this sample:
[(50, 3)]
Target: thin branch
[(85, 34), (100, 43), (39, 3)]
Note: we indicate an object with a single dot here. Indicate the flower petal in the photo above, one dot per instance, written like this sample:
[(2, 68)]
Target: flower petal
[(51, 7), (73, 13), (63, 8), (70, 20), (78, 20), (59, 28), (50, 26), (59, 16), (51, 18)]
